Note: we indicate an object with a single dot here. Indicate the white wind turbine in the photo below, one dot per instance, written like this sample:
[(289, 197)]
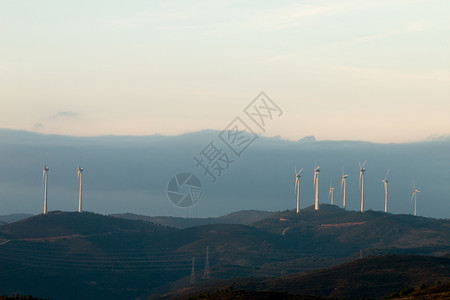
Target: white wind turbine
[(361, 182), (344, 185), (44, 180), (331, 194), (414, 195), (297, 187), (316, 184), (385, 181), (80, 177)]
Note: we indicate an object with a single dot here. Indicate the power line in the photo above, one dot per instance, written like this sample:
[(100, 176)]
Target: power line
[(206, 275), (193, 271)]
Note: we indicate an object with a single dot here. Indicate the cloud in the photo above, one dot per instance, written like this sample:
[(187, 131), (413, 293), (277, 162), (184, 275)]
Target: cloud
[(64, 114), (38, 125), (407, 29), (150, 17), (292, 15)]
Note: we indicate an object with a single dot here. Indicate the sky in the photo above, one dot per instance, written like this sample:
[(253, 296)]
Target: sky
[(340, 70)]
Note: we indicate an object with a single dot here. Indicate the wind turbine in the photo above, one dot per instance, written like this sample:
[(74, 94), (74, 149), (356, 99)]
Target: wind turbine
[(316, 184), (44, 179), (385, 181), (361, 182), (297, 187), (80, 176), (344, 185), (414, 195), (331, 194)]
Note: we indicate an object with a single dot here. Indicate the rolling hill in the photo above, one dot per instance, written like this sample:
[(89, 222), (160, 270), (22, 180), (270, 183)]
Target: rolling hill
[(345, 232), (57, 223), (83, 255), (116, 258)]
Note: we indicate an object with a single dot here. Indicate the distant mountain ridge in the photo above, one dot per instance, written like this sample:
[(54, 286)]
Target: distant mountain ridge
[(14, 217), (244, 217)]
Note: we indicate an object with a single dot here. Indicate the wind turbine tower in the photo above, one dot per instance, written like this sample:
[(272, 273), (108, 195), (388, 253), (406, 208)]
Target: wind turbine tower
[(344, 187), (414, 195), (80, 177), (361, 182), (331, 193), (44, 179), (316, 184), (385, 181), (297, 187)]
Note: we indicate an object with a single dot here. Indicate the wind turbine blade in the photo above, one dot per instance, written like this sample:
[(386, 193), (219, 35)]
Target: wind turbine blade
[(387, 173), (300, 171), (364, 164), (342, 182)]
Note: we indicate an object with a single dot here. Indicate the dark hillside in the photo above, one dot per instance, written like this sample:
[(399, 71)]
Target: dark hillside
[(58, 223), (109, 257), (346, 232), (370, 277)]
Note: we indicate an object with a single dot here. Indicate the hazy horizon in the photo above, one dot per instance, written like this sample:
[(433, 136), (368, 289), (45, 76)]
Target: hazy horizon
[(307, 138), (339, 70), (131, 174)]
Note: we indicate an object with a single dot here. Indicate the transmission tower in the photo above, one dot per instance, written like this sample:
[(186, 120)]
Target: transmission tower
[(206, 275), (193, 271)]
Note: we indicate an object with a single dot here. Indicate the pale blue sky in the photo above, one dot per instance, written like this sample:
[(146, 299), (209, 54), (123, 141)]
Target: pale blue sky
[(370, 70)]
